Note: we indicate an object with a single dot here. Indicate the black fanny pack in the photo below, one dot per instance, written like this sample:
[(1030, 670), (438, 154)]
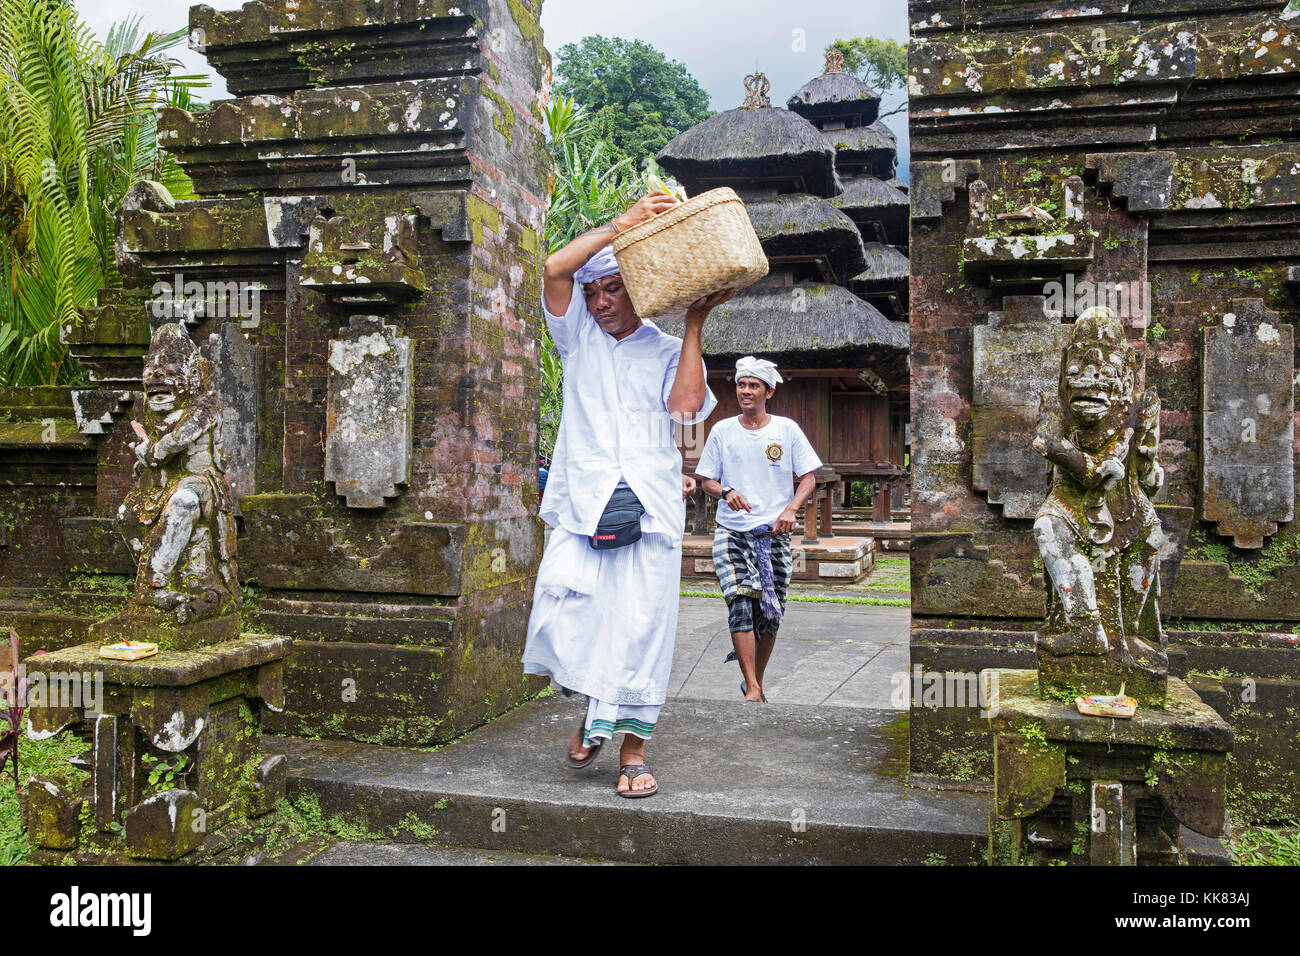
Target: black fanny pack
[(620, 524)]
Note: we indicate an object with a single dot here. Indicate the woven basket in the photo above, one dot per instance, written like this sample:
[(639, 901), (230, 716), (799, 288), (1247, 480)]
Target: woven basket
[(694, 249)]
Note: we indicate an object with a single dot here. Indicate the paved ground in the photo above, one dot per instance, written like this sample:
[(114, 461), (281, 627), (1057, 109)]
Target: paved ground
[(740, 783), (827, 750), (839, 655)]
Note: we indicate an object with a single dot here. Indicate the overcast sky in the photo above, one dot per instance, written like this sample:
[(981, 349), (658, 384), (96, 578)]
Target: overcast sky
[(783, 39)]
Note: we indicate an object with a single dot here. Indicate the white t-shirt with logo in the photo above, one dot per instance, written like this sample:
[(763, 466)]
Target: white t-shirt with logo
[(760, 464)]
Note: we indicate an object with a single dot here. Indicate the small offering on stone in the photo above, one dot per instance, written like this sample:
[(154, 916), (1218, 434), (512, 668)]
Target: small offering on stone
[(128, 650), (1115, 705)]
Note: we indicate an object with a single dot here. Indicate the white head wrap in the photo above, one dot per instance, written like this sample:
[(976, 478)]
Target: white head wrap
[(761, 369), (598, 266)]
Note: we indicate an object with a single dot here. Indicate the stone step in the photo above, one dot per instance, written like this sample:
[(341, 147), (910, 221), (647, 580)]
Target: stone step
[(374, 853), (740, 783)]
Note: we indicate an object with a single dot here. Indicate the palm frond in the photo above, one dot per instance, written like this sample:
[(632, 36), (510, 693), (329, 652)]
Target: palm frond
[(77, 130)]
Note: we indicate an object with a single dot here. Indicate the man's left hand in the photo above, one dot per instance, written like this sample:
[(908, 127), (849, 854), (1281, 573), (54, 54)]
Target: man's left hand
[(688, 486), (786, 522), (699, 310)]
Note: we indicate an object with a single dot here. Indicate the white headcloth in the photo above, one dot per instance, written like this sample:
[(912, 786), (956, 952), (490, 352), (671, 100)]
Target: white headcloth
[(761, 369), (598, 266)]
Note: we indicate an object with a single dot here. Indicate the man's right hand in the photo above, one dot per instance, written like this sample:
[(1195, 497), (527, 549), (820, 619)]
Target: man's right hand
[(647, 207), (557, 275), (736, 501)]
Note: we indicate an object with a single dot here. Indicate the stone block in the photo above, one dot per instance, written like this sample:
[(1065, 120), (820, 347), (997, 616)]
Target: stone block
[(53, 814), (269, 784), (164, 826), (1015, 384), (1248, 424), (370, 413), (839, 569)]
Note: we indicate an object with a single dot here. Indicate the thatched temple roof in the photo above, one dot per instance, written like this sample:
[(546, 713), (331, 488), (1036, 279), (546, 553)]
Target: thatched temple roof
[(886, 267), (807, 227), (869, 202), (744, 145), (862, 144), (836, 94), (802, 323), (870, 198)]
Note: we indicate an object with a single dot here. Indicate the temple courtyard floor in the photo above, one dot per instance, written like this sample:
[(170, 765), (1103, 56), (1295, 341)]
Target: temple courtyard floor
[(818, 775)]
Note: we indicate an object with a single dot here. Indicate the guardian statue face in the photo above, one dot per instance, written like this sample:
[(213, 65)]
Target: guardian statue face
[(178, 518), (1098, 371), (173, 370)]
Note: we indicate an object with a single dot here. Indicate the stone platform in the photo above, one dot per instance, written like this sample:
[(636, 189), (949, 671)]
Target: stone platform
[(1073, 788), (740, 783), (174, 756), (888, 535), (839, 558)]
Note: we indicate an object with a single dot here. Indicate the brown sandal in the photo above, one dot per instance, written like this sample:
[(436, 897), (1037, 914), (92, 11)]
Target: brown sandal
[(584, 762), (632, 771)]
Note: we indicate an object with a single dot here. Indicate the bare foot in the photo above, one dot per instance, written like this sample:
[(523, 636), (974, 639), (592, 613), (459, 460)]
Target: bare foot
[(576, 750)]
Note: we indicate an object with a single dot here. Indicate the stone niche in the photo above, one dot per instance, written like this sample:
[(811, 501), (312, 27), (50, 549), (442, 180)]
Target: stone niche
[(371, 404), (1248, 424)]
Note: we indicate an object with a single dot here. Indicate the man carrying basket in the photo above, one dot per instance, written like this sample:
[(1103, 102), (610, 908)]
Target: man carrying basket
[(604, 615)]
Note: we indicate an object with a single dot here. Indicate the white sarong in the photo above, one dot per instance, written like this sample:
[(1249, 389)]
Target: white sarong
[(603, 624)]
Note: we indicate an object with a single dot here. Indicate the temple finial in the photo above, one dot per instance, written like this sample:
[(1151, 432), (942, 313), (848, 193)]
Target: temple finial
[(757, 87)]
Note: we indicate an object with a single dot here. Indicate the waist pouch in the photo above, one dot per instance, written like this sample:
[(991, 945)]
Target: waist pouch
[(620, 524)]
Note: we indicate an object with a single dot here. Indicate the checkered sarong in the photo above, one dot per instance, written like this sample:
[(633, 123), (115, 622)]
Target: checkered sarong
[(736, 564)]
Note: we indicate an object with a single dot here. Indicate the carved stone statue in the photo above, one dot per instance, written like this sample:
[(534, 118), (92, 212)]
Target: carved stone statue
[(178, 519), (1097, 531)]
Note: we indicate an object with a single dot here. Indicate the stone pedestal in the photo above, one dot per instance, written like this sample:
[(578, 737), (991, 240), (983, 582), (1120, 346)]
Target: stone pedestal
[(144, 625), (1075, 789), (174, 754), (839, 559)]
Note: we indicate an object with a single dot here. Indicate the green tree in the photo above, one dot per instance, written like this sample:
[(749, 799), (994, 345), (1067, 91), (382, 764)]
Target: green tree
[(77, 127), (635, 97), (881, 64)]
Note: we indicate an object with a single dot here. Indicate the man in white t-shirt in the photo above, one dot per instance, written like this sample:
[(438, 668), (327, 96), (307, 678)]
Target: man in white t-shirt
[(751, 463)]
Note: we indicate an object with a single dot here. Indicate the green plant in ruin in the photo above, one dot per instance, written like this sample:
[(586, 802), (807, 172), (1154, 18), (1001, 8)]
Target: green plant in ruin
[(40, 758), (77, 131)]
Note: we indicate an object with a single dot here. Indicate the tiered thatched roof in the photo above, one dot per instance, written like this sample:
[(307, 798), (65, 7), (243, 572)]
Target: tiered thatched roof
[(806, 227), (747, 145), (874, 146), (801, 324), (867, 201), (836, 94), (886, 267)]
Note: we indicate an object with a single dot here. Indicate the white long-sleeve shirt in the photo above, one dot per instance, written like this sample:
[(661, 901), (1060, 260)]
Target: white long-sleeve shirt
[(616, 424)]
